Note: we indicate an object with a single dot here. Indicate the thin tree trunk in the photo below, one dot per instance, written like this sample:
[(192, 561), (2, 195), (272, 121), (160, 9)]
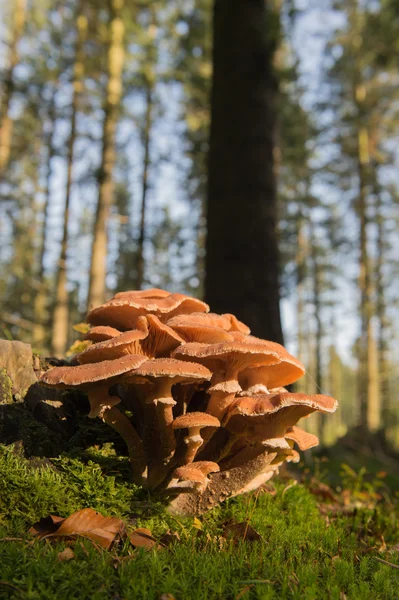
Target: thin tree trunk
[(60, 314), (319, 327), (98, 269), (241, 252), (146, 165), (6, 124), (39, 329), (300, 386), (381, 308)]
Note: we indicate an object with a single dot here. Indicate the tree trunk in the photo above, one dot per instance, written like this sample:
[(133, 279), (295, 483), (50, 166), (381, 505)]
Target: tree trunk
[(300, 386), (5, 119), (98, 269), (144, 189), (241, 249), (319, 327), (60, 314), (39, 329)]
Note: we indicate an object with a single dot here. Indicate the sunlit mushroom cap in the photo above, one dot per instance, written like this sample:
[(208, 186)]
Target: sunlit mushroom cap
[(84, 375), (151, 338), (241, 353), (193, 329), (123, 312), (302, 438), (195, 419), (101, 333), (150, 293), (205, 466), (227, 321), (190, 473), (270, 415), (178, 370)]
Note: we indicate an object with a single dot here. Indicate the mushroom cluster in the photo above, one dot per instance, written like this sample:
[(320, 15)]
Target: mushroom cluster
[(200, 402)]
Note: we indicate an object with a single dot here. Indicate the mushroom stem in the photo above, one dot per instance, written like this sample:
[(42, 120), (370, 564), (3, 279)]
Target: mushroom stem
[(194, 441), (161, 395), (113, 417), (219, 403)]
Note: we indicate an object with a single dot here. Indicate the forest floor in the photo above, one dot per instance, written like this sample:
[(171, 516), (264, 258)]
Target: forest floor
[(301, 537)]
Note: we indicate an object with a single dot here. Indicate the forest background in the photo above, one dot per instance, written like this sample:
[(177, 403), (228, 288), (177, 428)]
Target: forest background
[(105, 113)]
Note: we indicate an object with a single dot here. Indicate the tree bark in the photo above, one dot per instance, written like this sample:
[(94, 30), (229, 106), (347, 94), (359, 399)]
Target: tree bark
[(144, 189), (6, 124), (98, 268), (59, 338), (241, 248), (39, 329)]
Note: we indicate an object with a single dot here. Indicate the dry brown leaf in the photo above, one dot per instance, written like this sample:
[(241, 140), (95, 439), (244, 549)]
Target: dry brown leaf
[(167, 597), (142, 538), (323, 491), (66, 554), (86, 523), (242, 531)]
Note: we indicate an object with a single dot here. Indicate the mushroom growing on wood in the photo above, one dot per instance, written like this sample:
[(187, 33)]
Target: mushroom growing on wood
[(194, 422), (206, 415), (227, 360), (158, 376)]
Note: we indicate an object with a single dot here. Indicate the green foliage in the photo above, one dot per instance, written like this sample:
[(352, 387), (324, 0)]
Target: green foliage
[(302, 554)]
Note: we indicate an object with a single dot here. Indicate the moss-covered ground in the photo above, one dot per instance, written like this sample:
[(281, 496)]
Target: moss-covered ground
[(316, 542)]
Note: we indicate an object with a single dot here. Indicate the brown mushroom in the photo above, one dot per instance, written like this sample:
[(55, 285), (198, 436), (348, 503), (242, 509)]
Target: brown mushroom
[(270, 415), (159, 375), (151, 338), (101, 333), (194, 422), (303, 439), (226, 360), (123, 312), (96, 380)]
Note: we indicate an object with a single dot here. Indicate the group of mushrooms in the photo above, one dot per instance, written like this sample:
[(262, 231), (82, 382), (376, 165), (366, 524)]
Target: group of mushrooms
[(199, 401)]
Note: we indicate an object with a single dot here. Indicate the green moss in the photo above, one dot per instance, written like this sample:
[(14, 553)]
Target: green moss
[(303, 555), (5, 388)]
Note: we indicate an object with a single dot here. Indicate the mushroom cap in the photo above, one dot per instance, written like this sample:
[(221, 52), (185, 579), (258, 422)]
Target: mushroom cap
[(178, 370), (84, 375), (240, 354), (256, 379), (302, 438), (205, 466), (123, 312), (151, 338), (189, 473), (270, 415), (192, 331), (227, 321), (195, 419), (150, 293), (101, 333)]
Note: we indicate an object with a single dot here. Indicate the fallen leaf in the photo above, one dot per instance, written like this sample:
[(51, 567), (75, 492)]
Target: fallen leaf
[(86, 523), (242, 531), (66, 554), (142, 538), (167, 597), (197, 524)]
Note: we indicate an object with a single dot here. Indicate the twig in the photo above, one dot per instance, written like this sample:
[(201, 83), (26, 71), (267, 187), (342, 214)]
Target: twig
[(385, 562)]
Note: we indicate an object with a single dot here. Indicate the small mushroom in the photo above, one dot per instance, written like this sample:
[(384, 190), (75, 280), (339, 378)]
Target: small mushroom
[(194, 422)]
